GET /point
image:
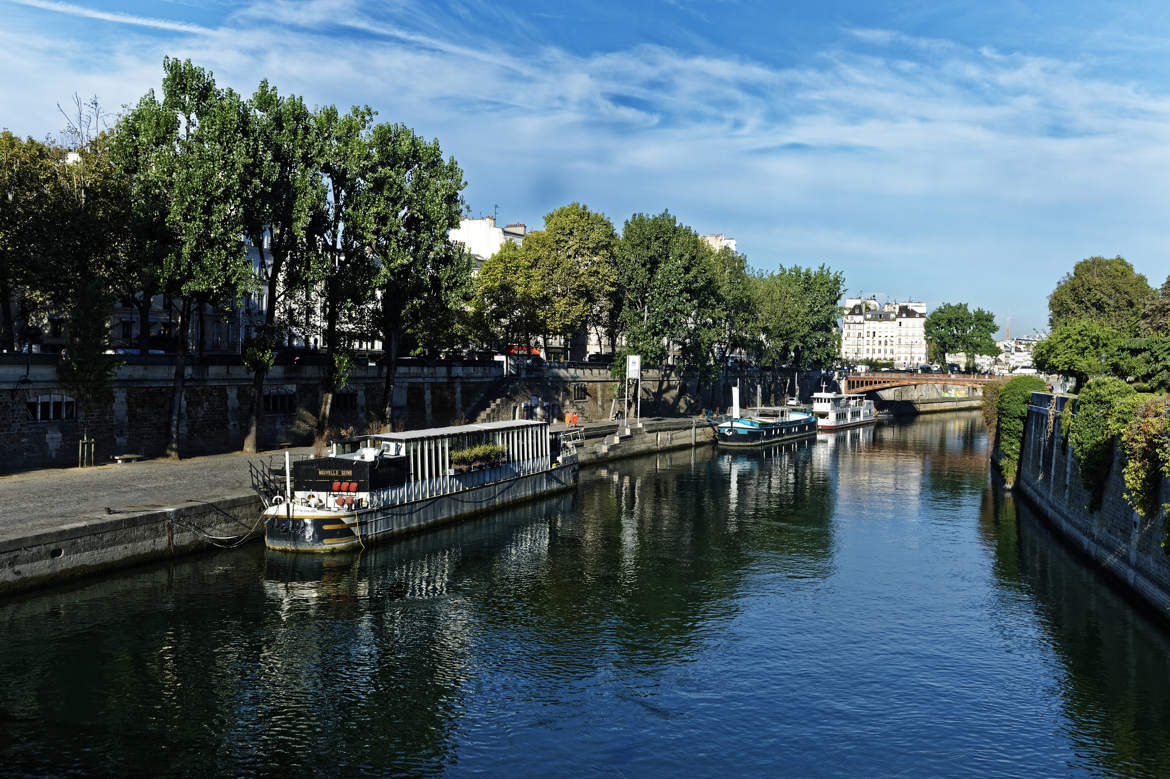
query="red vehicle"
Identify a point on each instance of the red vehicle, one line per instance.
(531, 351)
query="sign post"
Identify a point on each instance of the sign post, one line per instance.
(633, 374)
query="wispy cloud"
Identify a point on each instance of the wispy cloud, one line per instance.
(880, 151)
(108, 16)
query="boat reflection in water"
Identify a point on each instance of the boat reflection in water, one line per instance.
(418, 567)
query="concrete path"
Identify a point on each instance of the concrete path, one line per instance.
(39, 501)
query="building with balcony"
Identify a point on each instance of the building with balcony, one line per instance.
(888, 332)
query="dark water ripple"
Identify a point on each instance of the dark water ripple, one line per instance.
(869, 604)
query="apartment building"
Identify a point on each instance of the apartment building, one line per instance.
(889, 332)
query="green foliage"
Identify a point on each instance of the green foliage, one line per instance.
(483, 454)
(991, 391)
(1142, 440)
(1011, 415)
(1108, 292)
(1079, 348)
(1144, 360)
(343, 365)
(258, 353)
(798, 311)
(85, 370)
(952, 328)
(676, 294)
(505, 310)
(1100, 417)
(1156, 314)
(29, 201)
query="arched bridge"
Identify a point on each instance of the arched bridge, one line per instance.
(866, 382)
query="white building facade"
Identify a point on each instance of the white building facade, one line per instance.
(482, 238)
(890, 332)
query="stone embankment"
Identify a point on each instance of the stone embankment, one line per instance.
(1115, 537)
(58, 524)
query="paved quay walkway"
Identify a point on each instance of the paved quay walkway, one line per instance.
(44, 500)
(69, 522)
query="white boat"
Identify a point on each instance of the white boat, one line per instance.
(375, 487)
(838, 410)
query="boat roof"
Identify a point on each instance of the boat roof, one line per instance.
(453, 430)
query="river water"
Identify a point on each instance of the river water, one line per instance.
(865, 604)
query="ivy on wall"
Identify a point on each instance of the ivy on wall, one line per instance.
(1011, 406)
(1100, 416)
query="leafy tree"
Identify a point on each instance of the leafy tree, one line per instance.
(411, 202)
(734, 321)
(953, 328)
(351, 268)
(1078, 349)
(186, 158)
(681, 299)
(505, 309)
(1156, 314)
(1106, 291)
(28, 182)
(284, 198)
(573, 257)
(798, 310)
(1143, 360)
(645, 243)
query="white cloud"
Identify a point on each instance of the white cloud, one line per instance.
(883, 151)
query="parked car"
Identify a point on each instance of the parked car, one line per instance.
(600, 358)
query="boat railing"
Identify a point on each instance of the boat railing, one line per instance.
(454, 482)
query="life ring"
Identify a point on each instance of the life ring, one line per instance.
(278, 500)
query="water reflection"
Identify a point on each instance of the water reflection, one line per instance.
(859, 603)
(1114, 667)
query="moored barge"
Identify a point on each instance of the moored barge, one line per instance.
(379, 486)
(763, 425)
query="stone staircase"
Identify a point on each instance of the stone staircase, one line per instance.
(612, 442)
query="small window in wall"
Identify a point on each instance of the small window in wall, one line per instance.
(280, 402)
(49, 408)
(127, 330)
(345, 401)
(580, 392)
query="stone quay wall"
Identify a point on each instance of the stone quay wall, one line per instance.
(1115, 537)
(37, 431)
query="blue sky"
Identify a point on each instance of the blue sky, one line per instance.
(945, 151)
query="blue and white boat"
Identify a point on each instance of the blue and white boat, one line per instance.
(763, 425)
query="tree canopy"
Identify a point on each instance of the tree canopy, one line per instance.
(952, 328)
(1078, 349)
(797, 310)
(1106, 291)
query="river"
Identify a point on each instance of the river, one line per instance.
(868, 603)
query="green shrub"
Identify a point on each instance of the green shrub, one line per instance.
(1102, 409)
(1142, 441)
(1011, 414)
(484, 454)
(991, 392)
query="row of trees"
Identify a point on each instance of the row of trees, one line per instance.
(1106, 320)
(350, 219)
(656, 289)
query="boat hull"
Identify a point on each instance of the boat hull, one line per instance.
(765, 434)
(295, 528)
(828, 426)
